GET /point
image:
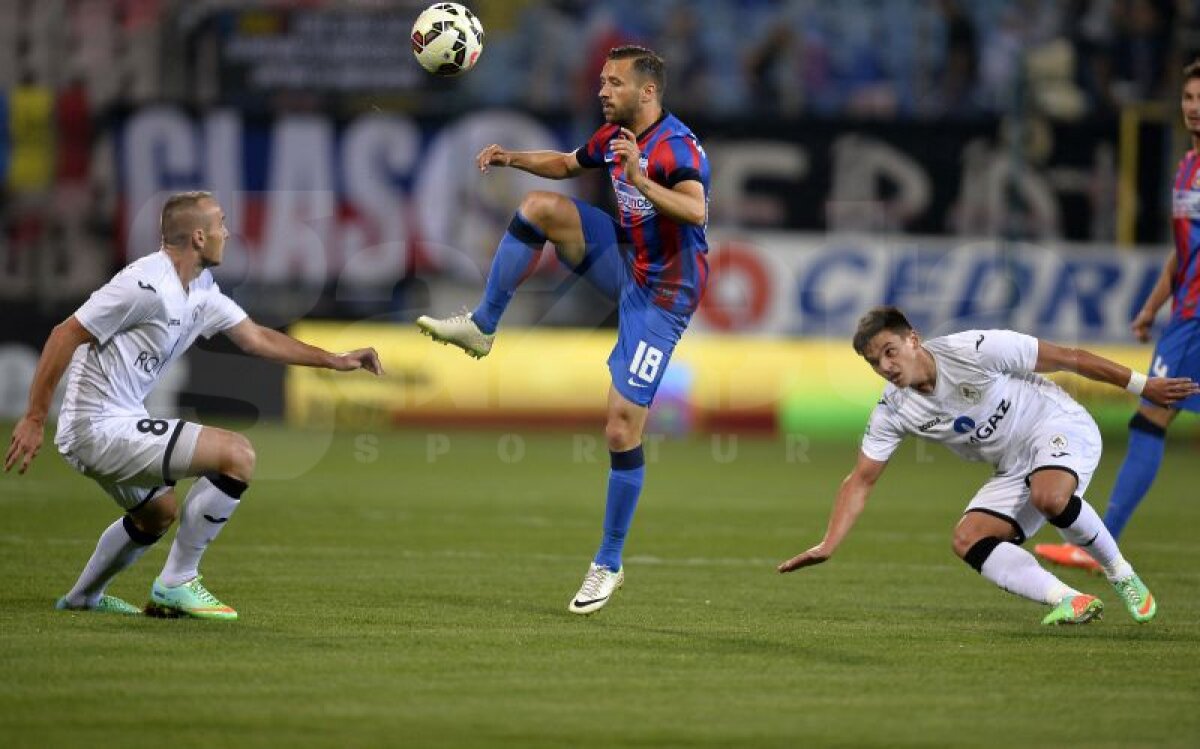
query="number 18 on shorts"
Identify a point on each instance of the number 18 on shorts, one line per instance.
(637, 377)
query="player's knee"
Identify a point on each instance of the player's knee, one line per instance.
(240, 459)
(620, 434)
(1049, 502)
(962, 542)
(541, 208)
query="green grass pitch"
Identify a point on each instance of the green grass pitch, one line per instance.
(390, 600)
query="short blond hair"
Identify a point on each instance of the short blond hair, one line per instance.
(179, 217)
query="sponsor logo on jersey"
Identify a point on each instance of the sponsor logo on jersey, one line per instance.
(632, 202)
(964, 424)
(938, 420)
(988, 428)
(174, 322)
(1185, 203)
(979, 341)
(146, 286)
(148, 362)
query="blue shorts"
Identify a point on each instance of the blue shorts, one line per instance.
(646, 333)
(1178, 355)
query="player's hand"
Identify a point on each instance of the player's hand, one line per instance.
(813, 556)
(363, 358)
(1141, 325)
(26, 440)
(493, 155)
(1166, 391)
(625, 149)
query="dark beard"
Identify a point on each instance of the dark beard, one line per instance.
(624, 118)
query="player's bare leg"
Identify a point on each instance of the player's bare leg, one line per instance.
(1052, 492)
(543, 216)
(224, 462)
(623, 432)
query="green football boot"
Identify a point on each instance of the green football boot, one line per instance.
(190, 599)
(1079, 609)
(1137, 597)
(106, 605)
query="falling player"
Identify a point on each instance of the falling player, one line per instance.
(977, 393)
(652, 261)
(1178, 350)
(115, 348)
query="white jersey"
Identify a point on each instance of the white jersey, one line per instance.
(143, 320)
(987, 404)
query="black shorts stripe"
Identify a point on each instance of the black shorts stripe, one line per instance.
(1020, 539)
(1052, 468)
(166, 463)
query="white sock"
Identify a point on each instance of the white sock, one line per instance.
(205, 512)
(1015, 570)
(115, 551)
(1088, 532)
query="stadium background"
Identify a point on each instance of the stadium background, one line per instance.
(977, 162)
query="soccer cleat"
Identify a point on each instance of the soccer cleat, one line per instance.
(106, 605)
(1137, 597)
(190, 599)
(598, 586)
(1079, 609)
(1068, 555)
(459, 330)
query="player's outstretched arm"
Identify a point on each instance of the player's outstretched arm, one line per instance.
(851, 499)
(266, 343)
(1158, 296)
(1164, 391)
(29, 432)
(548, 164)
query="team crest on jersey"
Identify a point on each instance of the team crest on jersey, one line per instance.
(1058, 442)
(643, 159)
(970, 393)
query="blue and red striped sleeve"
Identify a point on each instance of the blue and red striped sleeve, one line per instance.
(591, 154)
(675, 160)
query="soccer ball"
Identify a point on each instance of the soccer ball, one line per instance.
(447, 39)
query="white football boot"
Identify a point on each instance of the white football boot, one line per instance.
(599, 584)
(459, 330)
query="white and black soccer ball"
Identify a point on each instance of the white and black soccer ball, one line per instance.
(447, 39)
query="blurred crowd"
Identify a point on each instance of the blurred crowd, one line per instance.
(857, 58)
(873, 58)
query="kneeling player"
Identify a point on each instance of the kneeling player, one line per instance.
(117, 345)
(976, 392)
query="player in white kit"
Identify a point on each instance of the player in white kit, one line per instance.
(977, 393)
(114, 349)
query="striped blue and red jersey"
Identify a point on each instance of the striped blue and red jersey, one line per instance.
(1185, 222)
(669, 257)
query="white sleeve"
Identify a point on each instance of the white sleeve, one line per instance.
(118, 305)
(221, 313)
(884, 434)
(1006, 351)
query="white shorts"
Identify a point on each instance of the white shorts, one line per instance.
(1071, 443)
(132, 458)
